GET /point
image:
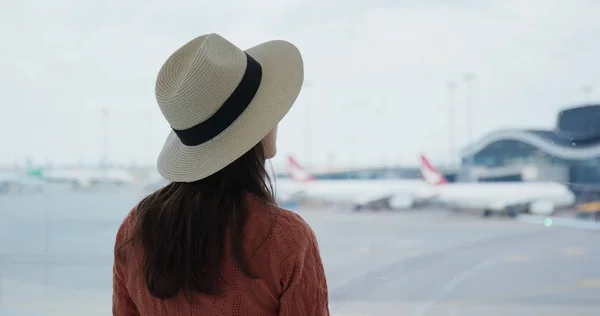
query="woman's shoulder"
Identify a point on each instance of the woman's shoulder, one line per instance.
(289, 222)
(285, 222)
(126, 225)
(289, 234)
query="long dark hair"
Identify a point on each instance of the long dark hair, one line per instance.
(182, 226)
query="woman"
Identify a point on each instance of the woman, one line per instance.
(213, 241)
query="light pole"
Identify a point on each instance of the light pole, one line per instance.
(105, 117)
(469, 78)
(451, 140)
(307, 129)
(587, 92)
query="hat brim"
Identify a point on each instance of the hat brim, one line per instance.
(282, 78)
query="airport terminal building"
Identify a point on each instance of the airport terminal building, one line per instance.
(569, 153)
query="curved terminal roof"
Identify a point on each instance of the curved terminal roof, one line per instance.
(550, 142)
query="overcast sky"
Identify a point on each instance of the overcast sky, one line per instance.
(377, 73)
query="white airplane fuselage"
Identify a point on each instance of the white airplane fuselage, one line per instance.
(499, 195)
(355, 192)
(86, 177)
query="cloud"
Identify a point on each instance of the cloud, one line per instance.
(378, 70)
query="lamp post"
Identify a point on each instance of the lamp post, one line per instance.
(307, 129)
(587, 92)
(469, 79)
(451, 139)
(105, 118)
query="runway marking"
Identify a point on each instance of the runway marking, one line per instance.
(574, 251)
(589, 283)
(518, 258)
(456, 281)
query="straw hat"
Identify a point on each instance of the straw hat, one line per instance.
(221, 101)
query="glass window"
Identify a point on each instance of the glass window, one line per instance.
(585, 171)
(506, 152)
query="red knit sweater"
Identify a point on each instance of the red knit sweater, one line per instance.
(292, 277)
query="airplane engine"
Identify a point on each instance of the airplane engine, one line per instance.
(401, 202)
(541, 208)
(81, 184)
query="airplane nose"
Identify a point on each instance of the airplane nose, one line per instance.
(571, 197)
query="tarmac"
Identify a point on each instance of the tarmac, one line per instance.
(56, 259)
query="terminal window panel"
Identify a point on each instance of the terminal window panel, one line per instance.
(510, 152)
(585, 171)
(507, 152)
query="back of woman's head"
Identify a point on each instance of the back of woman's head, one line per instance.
(182, 227)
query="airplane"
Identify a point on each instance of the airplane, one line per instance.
(286, 191)
(83, 178)
(13, 182)
(361, 194)
(153, 181)
(509, 198)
